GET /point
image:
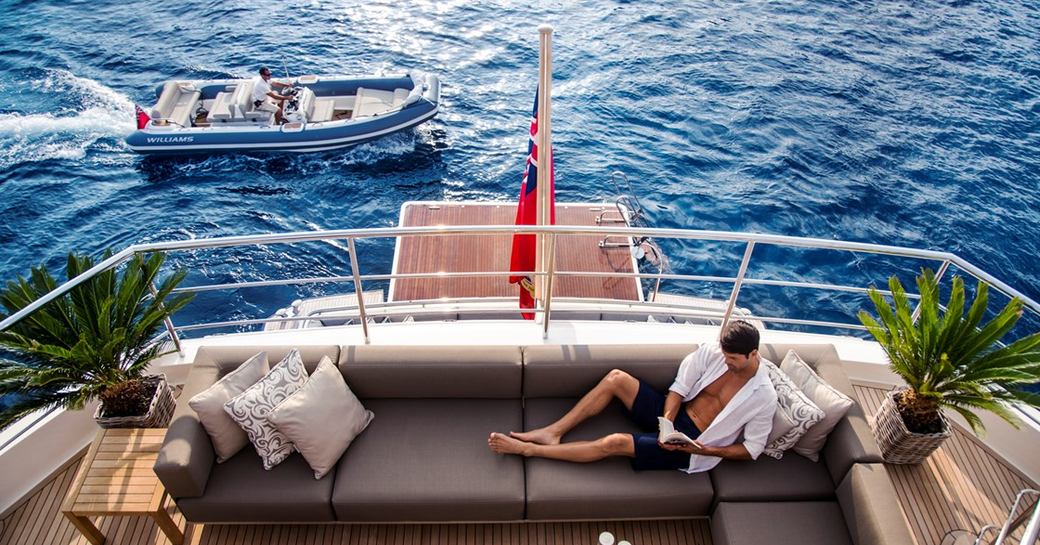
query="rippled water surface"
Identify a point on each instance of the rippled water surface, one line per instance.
(906, 123)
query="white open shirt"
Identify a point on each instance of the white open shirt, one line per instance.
(750, 412)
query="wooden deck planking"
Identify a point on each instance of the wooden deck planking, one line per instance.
(963, 485)
(472, 253)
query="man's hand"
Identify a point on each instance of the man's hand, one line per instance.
(695, 448)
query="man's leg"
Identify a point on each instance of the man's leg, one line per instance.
(617, 384)
(278, 114)
(615, 444)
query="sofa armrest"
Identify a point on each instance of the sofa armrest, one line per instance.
(186, 457)
(187, 454)
(849, 443)
(871, 508)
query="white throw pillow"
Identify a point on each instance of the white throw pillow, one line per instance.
(322, 418)
(250, 408)
(227, 436)
(833, 403)
(798, 408)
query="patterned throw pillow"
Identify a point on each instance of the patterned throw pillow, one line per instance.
(797, 409)
(833, 403)
(250, 408)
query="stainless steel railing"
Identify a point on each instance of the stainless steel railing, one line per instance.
(740, 280)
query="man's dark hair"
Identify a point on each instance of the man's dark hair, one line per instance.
(264, 70)
(740, 337)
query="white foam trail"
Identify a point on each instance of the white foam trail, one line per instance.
(102, 112)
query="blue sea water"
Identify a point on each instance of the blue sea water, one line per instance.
(911, 123)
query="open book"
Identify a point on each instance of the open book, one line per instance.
(669, 435)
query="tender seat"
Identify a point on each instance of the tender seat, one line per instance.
(554, 379)
(220, 111)
(374, 101)
(425, 457)
(322, 110)
(176, 103)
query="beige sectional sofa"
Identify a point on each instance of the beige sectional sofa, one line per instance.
(425, 457)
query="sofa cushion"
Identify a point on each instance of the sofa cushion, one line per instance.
(607, 489)
(871, 507)
(792, 478)
(322, 418)
(804, 523)
(228, 437)
(428, 460)
(251, 408)
(829, 399)
(851, 441)
(446, 372)
(240, 490)
(572, 370)
(795, 406)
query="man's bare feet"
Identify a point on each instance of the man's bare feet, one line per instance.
(541, 436)
(503, 444)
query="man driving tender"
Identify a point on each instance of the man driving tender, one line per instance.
(264, 98)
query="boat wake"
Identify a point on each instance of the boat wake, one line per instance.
(85, 111)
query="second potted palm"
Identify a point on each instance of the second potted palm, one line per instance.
(950, 360)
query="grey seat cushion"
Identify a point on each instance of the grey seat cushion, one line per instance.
(239, 490)
(608, 489)
(571, 370)
(428, 460)
(804, 523)
(871, 507)
(792, 478)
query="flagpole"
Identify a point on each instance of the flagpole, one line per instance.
(544, 151)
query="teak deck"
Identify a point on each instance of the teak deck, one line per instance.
(962, 485)
(473, 253)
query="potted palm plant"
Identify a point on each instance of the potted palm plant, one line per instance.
(94, 342)
(949, 359)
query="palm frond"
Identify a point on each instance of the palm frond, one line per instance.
(96, 336)
(950, 355)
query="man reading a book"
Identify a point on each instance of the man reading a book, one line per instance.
(722, 400)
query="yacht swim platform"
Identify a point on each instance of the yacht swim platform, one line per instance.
(474, 253)
(963, 485)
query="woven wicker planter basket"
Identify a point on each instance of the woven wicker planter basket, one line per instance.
(159, 412)
(900, 445)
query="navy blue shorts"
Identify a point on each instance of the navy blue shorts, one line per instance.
(648, 405)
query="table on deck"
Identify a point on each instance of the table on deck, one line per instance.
(116, 478)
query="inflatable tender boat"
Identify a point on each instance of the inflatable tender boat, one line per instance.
(326, 112)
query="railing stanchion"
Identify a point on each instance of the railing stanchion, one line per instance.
(549, 285)
(357, 288)
(938, 278)
(736, 286)
(169, 322)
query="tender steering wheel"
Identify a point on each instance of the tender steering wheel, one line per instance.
(294, 101)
